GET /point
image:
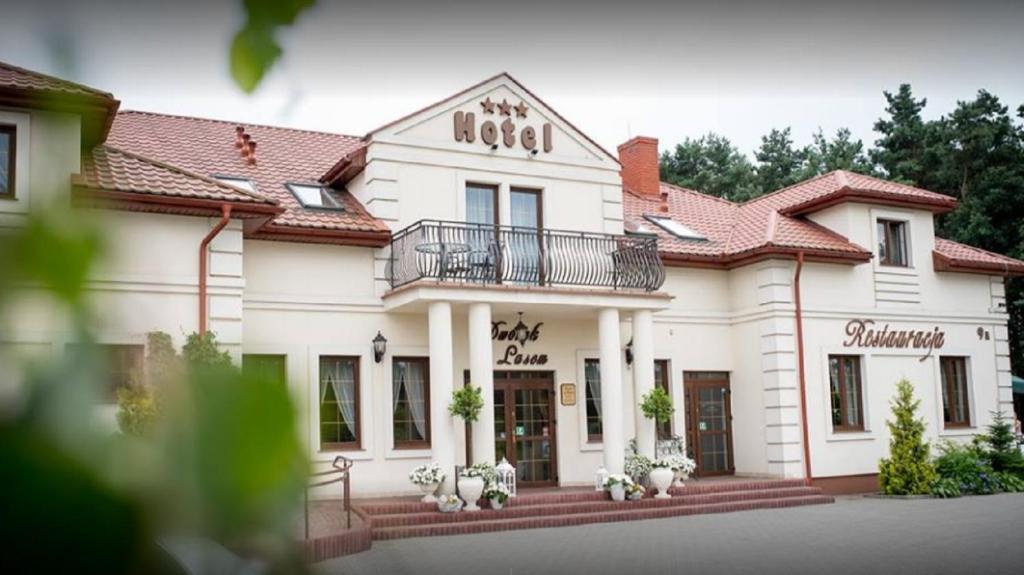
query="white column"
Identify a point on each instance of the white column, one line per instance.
(611, 390)
(442, 425)
(643, 378)
(481, 375)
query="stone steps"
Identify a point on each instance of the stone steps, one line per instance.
(534, 509)
(606, 516)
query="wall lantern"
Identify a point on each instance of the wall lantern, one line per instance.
(380, 345)
(629, 352)
(521, 332)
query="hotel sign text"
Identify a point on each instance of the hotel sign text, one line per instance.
(861, 333)
(505, 130)
(517, 338)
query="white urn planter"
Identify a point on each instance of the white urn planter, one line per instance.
(496, 503)
(471, 488)
(429, 489)
(661, 479)
(618, 492)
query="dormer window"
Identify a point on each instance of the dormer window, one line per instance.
(8, 142)
(892, 243)
(675, 228)
(240, 183)
(315, 196)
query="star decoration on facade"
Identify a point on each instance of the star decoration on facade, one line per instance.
(521, 109)
(506, 108)
(488, 105)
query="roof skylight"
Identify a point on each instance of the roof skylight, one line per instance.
(240, 183)
(675, 228)
(315, 196)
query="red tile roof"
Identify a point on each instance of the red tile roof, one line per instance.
(953, 256)
(283, 155)
(839, 186)
(19, 78)
(734, 232)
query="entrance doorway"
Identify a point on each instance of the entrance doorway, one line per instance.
(709, 422)
(524, 425)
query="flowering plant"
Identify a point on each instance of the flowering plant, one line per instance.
(618, 479)
(426, 474)
(496, 491)
(484, 471)
(449, 503)
(637, 466)
(677, 462)
(635, 491)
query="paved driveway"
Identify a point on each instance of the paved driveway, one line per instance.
(972, 535)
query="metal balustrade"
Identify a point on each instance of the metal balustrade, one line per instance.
(493, 254)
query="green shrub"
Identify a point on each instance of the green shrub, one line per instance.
(945, 488)
(1000, 446)
(201, 352)
(908, 470)
(1009, 482)
(137, 410)
(467, 403)
(967, 466)
(657, 405)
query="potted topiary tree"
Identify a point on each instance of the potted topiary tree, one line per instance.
(908, 470)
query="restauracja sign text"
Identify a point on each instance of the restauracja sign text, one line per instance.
(861, 334)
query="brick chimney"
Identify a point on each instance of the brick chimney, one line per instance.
(639, 159)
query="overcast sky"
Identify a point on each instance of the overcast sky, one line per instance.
(614, 69)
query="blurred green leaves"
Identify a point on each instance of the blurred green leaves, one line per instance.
(255, 49)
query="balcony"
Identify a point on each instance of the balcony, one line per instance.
(485, 254)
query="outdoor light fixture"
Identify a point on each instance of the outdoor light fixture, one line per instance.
(521, 331)
(629, 352)
(380, 345)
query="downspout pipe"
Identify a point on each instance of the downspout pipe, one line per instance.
(204, 250)
(800, 365)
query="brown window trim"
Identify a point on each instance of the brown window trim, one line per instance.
(591, 437)
(415, 444)
(887, 226)
(844, 428)
(347, 445)
(946, 365)
(12, 188)
(494, 192)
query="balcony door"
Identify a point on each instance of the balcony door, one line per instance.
(484, 255)
(525, 246)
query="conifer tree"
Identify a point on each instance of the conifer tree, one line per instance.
(908, 470)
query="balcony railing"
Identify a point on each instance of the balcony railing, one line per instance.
(491, 254)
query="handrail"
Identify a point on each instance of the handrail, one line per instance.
(496, 254)
(340, 470)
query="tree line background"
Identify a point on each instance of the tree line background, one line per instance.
(974, 153)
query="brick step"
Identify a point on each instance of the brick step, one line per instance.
(467, 527)
(527, 498)
(578, 507)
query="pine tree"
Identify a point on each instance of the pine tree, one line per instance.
(899, 153)
(712, 165)
(778, 162)
(842, 152)
(908, 470)
(1001, 446)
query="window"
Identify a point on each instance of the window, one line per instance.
(661, 380)
(122, 365)
(481, 204)
(892, 243)
(526, 209)
(410, 389)
(675, 228)
(240, 183)
(316, 196)
(845, 387)
(339, 402)
(592, 375)
(265, 367)
(955, 404)
(8, 153)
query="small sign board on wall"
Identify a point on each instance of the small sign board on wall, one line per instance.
(568, 393)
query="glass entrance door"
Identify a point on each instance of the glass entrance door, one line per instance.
(524, 421)
(709, 422)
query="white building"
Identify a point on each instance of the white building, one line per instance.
(779, 326)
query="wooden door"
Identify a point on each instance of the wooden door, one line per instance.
(709, 422)
(525, 426)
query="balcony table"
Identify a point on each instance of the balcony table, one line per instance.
(443, 251)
